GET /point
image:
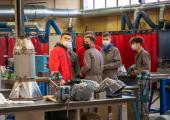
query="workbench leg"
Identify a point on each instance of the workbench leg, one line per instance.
(2, 117)
(123, 114)
(152, 88)
(78, 114)
(30, 115)
(162, 97)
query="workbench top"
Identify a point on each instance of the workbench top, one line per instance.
(44, 105)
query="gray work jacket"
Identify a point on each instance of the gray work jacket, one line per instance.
(142, 61)
(93, 65)
(112, 61)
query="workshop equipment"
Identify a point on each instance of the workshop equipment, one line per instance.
(111, 86)
(84, 91)
(25, 86)
(63, 92)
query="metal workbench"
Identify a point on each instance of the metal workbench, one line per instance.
(36, 110)
(163, 79)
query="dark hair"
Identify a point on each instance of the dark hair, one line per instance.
(65, 33)
(89, 33)
(105, 34)
(136, 39)
(91, 38)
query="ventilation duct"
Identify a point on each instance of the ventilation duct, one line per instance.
(40, 12)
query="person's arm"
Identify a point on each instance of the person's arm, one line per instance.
(117, 61)
(54, 61)
(87, 64)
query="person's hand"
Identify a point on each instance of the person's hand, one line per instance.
(133, 74)
(80, 74)
(62, 82)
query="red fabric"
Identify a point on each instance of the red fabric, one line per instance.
(80, 54)
(79, 42)
(99, 40)
(37, 45)
(59, 60)
(3, 49)
(11, 43)
(44, 49)
(40, 48)
(122, 43)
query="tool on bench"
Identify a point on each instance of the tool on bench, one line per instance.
(63, 92)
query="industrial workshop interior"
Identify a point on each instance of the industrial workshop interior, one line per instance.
(84, 60)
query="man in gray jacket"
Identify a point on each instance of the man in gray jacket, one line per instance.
(93, 61)
(112, 58)
(142, 59)
(142, 63)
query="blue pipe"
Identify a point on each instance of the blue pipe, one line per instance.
(143, 15)
(5, 30)
(126, 20)
(42, 38)
(3, 25)
(28, 30)
(50, 22)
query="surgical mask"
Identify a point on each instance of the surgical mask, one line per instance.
(68, 44)
(106, 42)
(86, 46)
(134, 46)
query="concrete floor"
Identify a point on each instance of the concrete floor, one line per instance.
(153, 116)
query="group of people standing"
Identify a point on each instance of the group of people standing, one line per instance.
(92, 62)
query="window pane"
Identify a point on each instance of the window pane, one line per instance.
(123, 2)
(99, 4)
(149, 1)
(88, 4)
(134, 2)
(111, 3)
(164, 0)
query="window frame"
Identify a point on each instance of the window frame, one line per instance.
(94, 5)
(117, 4)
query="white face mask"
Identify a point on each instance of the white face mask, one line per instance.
(68, 44)
(134, 46)
(106, 42)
